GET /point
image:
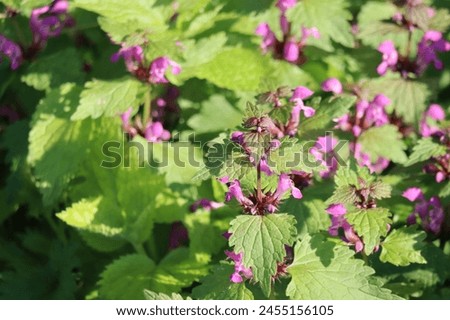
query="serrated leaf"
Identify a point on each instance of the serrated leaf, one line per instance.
(215, 115)
(331, 17)
(54, 70)
(324, 270)
(236, 69)
(409, 98)
(126, 278)
(371, 225)
(403, 247)
(380, 190)
(445, 191)
(88, 215)
(261, 239)
(109, 98)
(310, 215)
(344, 195)
(327, 111)
(203, 51)
(424, 150)
(384, 142)
(217, 286)
(151, 295)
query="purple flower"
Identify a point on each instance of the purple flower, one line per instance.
(338, 221)
(285, 184)
(363, 159)
(205, 204)
(308, 33)
(301, 93)
(158, 69)
(323, 151)
(239, 270)
(133, 57)
(291, 51)
(431, 43)
(155, 132)
(433, 114)
(283, 5)
(390, 57)
(269, 39)
(332, 85)
(49, 21)
(12, 51)
(430, 211)
(235, 191)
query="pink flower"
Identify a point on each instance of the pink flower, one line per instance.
(291, 51)
(338, 221)
(285, 184)
(300, 94)
(155, 132)
(430, 211)
(323, 151)
(427, 49)
(332, 85)
(269, 38)
(363, 159)
(283, 5)
(433, 114)
(205, 204)
(48, 21)
(158, 69)
(240, 272)
(133, 57)
(390, 57)
(12, 51)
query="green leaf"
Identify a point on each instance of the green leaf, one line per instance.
(202, 51)
(331, 17)
(235, 69)
(126, 278)
(141, 15)
(109, 98)
(58, 146)
(344, 195)
(371, 225)
(217, 286)
(409, 98)
(424, 150)
(88, 215)
(384, 142)
(328, 110)
(261, 240)
(310, 215)
(325, 270)
(215, 115)
(150, 295)
(403, 246)
(54, 70)
(176, 271)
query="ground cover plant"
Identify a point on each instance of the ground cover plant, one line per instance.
(193, 149)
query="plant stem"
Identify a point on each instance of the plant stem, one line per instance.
(365, 258)
(258, 181)
(408, 47)
(147, 106)
(139, 248)
(151, 246)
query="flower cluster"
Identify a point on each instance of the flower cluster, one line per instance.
(280, 129)
(368, 114)
(364, 198)
(407, 16)
(135, 64)
(427, 49)
(323, 150)
(430, 211)
(49, 21)
(45, 22)
(152, 131)
(439, 166)
(12, 51)
(290, 48)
